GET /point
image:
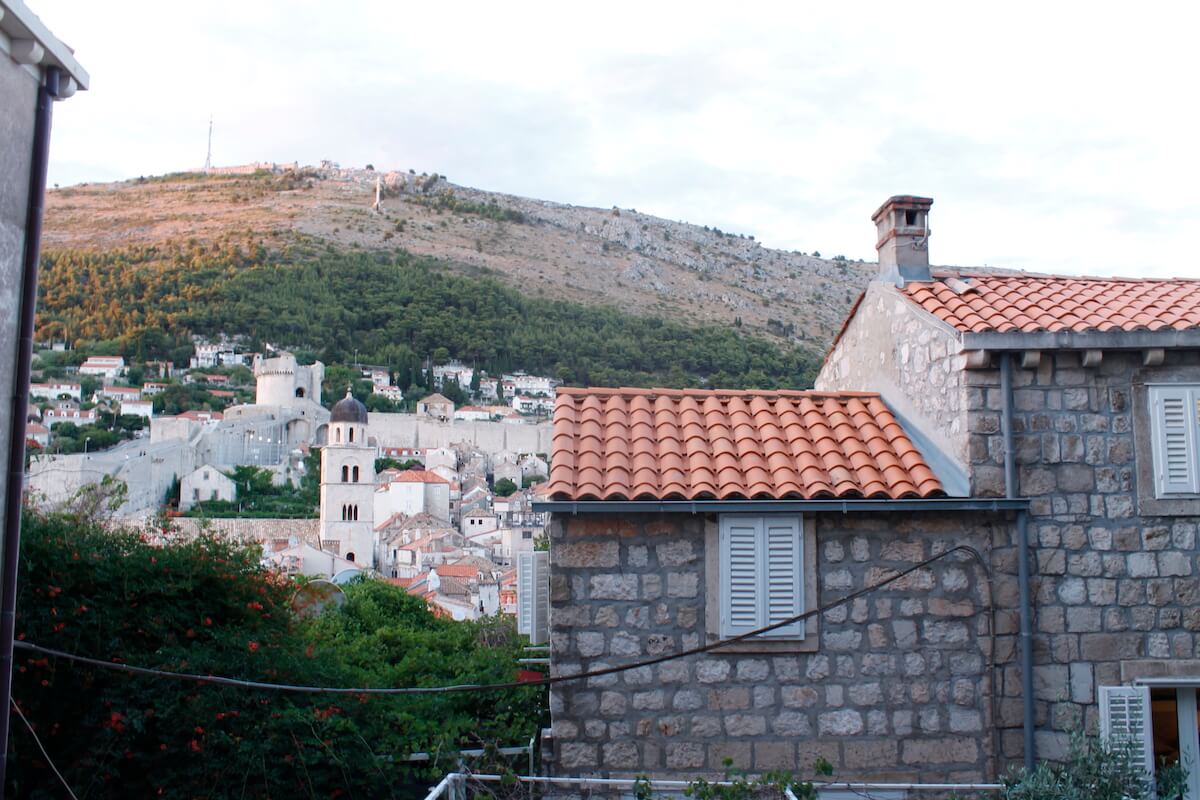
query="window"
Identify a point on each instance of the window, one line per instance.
(214, 495)
(761, 575)
(1153, 725)
(337, 435)
(345, 474)
(351, 434)
(355, 474)
(1175, 437)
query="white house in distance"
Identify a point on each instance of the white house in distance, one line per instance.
(412, 492)
(106, 367)
(436, 406)
(138, 408)
(120, 393)
(66, 413)
(204, 484)
(36, 432)
(55, 391)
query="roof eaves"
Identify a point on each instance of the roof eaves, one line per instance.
(859, 505)
(1083, 340)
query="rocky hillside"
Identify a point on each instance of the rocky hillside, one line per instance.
(617, 257)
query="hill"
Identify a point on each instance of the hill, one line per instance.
(612, 256)
(169, 254)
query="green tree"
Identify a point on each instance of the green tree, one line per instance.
(505, 487)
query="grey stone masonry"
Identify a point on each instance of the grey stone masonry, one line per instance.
(1112, 582)
(898, 687)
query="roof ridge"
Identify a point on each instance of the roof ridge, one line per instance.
(634, 391)
(942, 274)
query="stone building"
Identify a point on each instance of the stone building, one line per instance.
(205, 484)
(1004, 410)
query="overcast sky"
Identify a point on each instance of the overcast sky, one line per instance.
(1053, 136)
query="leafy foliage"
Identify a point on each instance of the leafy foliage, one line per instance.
(258, 496)
(393, 310)
(505, 487)
(205, 606)
(1094, 770)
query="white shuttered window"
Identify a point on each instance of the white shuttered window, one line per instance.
(1125, 723)
(762, 574)
(1175, 429)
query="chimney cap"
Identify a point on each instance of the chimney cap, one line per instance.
(902, 201)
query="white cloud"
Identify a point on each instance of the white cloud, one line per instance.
(1057, 137)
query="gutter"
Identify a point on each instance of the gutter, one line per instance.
(994, 505)
(39, 162)
(1026, 602)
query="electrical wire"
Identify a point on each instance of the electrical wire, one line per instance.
(548, 681)
(45, 755)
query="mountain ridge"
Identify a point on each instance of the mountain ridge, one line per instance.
(637, 262)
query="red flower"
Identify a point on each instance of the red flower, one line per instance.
(207, 621)
(252, 647)
(196, 748)
(199, 730)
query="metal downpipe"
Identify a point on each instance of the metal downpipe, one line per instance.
(20, 400)
(1023, 580)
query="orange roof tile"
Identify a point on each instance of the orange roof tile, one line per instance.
(457, 571)
(418, 476)
(662, 444)
(1027, 303)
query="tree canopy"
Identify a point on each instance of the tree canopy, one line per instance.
(390, 309)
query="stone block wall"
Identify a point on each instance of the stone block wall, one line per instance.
(1112, 583)
(895, 348)
(898, 686)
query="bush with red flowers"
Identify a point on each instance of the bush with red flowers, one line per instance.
(205, 606)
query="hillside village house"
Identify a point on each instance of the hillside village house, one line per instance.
(1050, 425)
(205, 484)
(56, 391)
(105, 367)
(436, 406)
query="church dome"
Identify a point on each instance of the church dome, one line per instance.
(348, 409)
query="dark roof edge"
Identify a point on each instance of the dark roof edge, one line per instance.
(1082, 340)
(983, 504)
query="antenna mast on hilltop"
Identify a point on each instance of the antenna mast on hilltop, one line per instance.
(208, 158)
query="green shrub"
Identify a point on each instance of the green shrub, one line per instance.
(206, 606)
(1094, 770)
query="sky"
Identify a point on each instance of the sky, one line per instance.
(1055, 137)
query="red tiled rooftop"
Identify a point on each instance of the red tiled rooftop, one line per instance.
(1029, 304)
(419, 476)
(663, 444)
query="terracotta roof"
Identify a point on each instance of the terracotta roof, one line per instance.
(1027, 304)
(419, 476)
(458, 571)
(664, 444)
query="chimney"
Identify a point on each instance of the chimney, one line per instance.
(902, 227)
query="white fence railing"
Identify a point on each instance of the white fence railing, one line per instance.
(455, 786)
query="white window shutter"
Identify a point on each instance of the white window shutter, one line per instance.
(525, 586)
(1176, 463)
(785, 576)
(1125, 722)
(539, 623)
(741, 565)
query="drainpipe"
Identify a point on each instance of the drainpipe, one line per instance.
(1026, 603)
(20, 399)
